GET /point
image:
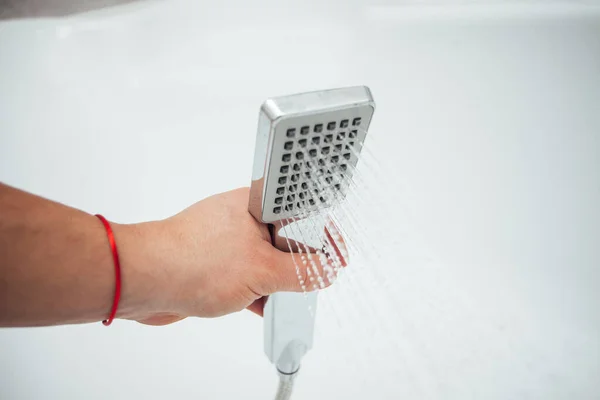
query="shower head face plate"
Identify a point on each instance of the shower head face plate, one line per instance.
(307, 146)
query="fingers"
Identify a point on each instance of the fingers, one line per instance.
(257, 306)
(294, 246)
(310, 270)
(336, 246)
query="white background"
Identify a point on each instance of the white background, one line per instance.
(489, 116)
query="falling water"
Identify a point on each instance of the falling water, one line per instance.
(334, 222)
(391, 295)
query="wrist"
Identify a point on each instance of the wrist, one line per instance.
(141, 279)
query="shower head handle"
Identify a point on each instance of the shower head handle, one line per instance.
(288, 316)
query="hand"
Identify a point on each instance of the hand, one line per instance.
(209, 260)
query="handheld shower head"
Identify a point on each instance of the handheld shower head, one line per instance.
(323, 131)
(317, 124)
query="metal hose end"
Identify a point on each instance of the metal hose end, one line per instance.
(286, 385)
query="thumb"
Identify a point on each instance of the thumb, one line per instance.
(308, 271)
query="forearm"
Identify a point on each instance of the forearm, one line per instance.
(56, 265)
(211, 259)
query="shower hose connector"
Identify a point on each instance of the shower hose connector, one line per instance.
(286, 385)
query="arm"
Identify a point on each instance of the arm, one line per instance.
(211, 259)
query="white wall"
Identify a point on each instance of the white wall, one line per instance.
(490, 118)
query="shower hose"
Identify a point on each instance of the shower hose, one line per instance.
(286, 384)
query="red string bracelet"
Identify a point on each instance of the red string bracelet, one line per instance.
(115, 255)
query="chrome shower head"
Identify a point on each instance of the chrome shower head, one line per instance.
(307, 146)
(304, 134)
